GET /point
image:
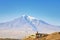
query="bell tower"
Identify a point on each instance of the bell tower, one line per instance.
(37, 35)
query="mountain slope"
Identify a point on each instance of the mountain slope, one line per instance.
(25, 25)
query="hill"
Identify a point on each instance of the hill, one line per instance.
(52, 36)
(8, 39)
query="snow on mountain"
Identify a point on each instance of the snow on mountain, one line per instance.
(25, 25)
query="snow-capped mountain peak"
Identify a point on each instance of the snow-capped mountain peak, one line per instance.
(30, 18)
(25, 25)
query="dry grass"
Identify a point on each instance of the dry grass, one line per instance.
(8, 39)
(52, 36)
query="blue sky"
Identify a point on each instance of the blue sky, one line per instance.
(46, 10)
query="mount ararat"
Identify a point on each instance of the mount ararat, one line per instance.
(25, 25)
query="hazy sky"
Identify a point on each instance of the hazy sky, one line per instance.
(46, 10)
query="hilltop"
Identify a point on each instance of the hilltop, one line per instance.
(52, 36)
